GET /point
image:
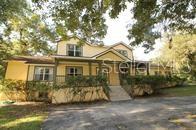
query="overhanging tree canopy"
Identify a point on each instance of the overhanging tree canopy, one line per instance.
(86, 18)
(152, 18)
(182, 55)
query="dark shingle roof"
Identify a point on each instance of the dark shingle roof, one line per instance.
(34, 59)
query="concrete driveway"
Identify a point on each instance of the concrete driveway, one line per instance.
(140, 114)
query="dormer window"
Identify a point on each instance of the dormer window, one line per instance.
(74, 50)
(123, 52)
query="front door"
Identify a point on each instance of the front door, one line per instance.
(105, 71)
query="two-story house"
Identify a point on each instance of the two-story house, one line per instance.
(72, 59)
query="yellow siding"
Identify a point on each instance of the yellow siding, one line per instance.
(94, 69)
(67, 95)
(88, 51)
(121, 47)
(110, 56)
(113, 75)
(16, 70)
(61, 68)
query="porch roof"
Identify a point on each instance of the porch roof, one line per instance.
(93, 59)
(33, 59)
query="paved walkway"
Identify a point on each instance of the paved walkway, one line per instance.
(118, 94)
(139, 114)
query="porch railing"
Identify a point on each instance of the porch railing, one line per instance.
(62, 81)
(73, 81)
(80, 81)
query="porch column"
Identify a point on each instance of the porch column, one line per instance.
(100, 68)
(27, 79)
(135, 66)
(90, 68)
(147, 67)
(55, 70)
(129, 69)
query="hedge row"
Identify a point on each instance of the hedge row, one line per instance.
(154, 81)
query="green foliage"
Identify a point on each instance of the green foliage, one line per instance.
(12, 85)
(140, 85)
(151, 18)
(83, 81)
(87, 18)
(155, 82)
(39, 86)
(187, 90)
(31, 36)
(27, 27)
(182, 55)
(157, 16)
(11, 8)
(77, 83)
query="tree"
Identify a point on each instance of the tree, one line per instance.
(10, 9)
(23, 32)
(85, 18)
(152, 18)
(155, 17)
(182, 54)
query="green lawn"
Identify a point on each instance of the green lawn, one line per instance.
(22, 117)
(189, 90)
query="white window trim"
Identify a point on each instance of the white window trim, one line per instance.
(121, 50)
(74, 50)
(74, 73)
(44, 72)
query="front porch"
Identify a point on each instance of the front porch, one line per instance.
(113, 70)
(87, 69)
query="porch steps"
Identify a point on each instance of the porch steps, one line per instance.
(118, 94)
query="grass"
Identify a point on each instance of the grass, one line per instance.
(22, 117)
(189, 90)
(180, 91)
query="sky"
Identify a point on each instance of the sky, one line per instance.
(117, 31)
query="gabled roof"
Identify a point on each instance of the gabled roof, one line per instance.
(79, 38)
(110, 50)
(106, 46)
(72, 57)
(122, 43)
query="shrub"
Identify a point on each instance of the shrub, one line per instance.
(150, 84)
(13, 88)
(12, 85)
(77, 82)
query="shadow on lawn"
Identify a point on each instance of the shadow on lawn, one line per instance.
(23, 116)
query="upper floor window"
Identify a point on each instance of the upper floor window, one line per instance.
(43, 74)
(74, 50)
(123, 52)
